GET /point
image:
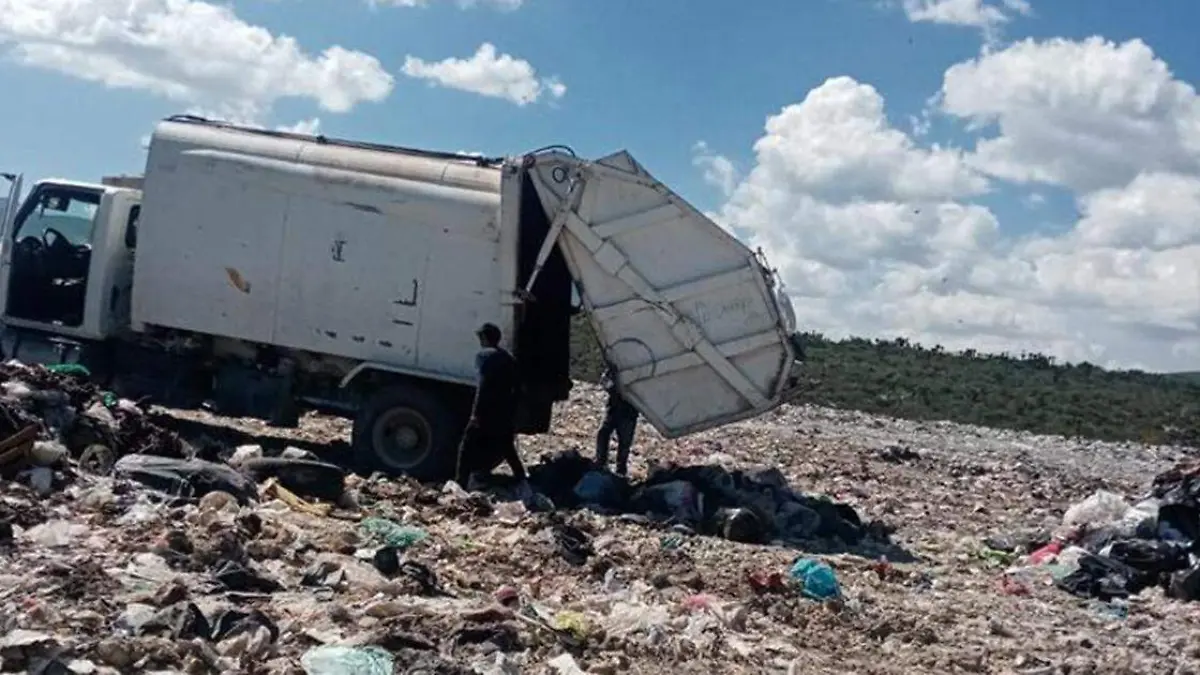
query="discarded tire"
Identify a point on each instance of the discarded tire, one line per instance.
(306, 478)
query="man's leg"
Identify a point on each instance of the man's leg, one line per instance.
(468, 453)
(603, 438)
(625, 432)
(507, 442)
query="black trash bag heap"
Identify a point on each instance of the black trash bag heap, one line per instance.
(747, 506)
(1159, 547)
(63, 406)
(55, 419)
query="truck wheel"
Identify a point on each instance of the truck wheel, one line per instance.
(404, 430)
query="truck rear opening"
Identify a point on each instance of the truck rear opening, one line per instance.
(698, 329)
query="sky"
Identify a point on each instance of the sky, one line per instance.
(998, 175)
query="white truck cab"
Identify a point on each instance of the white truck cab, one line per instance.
(67, 258)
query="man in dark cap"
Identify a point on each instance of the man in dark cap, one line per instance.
(491, 432)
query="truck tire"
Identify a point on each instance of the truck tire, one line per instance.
(404, 430)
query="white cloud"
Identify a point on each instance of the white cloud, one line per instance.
(502, 5)
(987, 16)
(877, 236)
(718, 170)
(837, 144)
(191, 52)
(488, 73)
(1085, 115)
(1156, 211)
(310, 127)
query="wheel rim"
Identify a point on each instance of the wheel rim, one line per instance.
(402, 438)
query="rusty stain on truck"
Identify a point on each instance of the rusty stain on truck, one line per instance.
(236, 280)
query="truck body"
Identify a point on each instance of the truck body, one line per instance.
(268, 273)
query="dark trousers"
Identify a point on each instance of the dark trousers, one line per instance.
(483, 448)
(624, 428)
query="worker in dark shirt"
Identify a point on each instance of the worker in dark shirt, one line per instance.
(490, 436)
(619, 416)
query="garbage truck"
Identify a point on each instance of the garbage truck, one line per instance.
(268, 273)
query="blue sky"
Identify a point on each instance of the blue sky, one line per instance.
(901, 224)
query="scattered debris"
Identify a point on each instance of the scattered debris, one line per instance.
(1127, 549)
(173, 561)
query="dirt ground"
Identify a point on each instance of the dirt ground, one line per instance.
(646, 601)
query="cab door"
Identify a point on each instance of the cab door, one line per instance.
(11, 205)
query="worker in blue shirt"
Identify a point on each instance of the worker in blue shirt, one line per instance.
(490, 436)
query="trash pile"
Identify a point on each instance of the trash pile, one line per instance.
(1109, 550)
(49, 415)
(170, 565)
(124, 548)
(165, 554)
(754, 507)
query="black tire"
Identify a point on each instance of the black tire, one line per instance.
(422, 442)
(305, 478)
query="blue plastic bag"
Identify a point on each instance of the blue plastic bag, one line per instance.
(816, 579)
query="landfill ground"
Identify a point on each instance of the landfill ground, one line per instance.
(90, 562)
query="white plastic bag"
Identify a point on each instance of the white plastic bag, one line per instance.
(55, 533)
(1102, 510)
(1143, 517)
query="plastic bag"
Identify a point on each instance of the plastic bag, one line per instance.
(1102, 510)
(393, 534)
(564, 664)
(1046, 553)
(574, 623)
(337, 660)
(598, 487)
(817, 578)
(54, 533)
(245, 452)
(627, 618)
(679, 498)
(1141, 520)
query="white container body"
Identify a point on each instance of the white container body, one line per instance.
(370, 255)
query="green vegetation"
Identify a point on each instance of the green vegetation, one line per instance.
(1028, 392)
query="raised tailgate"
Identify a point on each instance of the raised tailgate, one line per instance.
(684, 311)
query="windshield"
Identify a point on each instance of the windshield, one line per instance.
(69, 212)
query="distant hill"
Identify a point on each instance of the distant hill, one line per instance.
(1028, 392)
